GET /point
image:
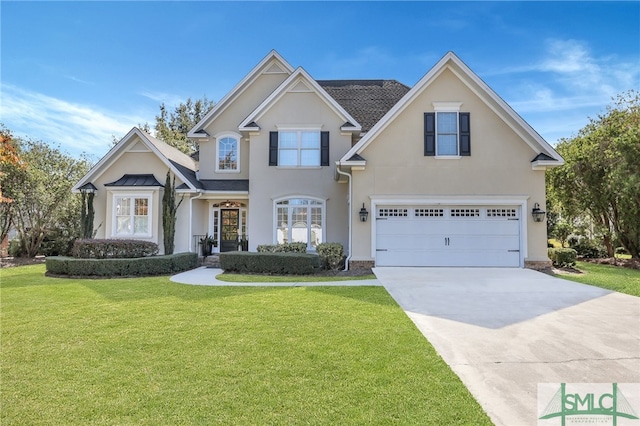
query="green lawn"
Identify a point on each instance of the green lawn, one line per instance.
(152, 352)
(623, 280)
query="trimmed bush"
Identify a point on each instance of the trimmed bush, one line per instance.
(282, 248)
(331, 255)
(562, 257)
(113, 249)
(141, 266)
(270, 263)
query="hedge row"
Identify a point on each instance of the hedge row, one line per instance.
(113, 249)
(270, 263)
(142, 266)
(562, 257)
(282, 248)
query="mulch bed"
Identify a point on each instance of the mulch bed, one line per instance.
(8, 262)
(625, 263)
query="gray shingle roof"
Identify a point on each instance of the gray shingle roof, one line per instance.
(225, 184)
(366, 100)
(135, 180)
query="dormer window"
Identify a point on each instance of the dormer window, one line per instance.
(228, 153)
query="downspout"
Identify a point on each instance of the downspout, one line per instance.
(200, 194)
(346, 262)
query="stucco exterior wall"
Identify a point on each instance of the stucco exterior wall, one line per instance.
(137, 163)
(269, 183)
(229, 120)
(499, 165)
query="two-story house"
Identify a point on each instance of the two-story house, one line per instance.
(441, 174)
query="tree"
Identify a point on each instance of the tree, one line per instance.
(172, 127)
(562, 231)
(87, 213)
(41, 191)
(9, 160)
(169, 210)
(601, 177)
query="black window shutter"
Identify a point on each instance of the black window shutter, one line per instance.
(465, 133)
(430, 133)
(273, 148)
(324, 148)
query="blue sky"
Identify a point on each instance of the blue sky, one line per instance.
(75, 73)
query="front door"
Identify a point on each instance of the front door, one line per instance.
(229, 219)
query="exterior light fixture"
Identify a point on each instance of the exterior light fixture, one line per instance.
(364, 214)
(538, 215)
(88, 188)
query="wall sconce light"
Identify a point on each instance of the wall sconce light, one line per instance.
(538, 215)
(364, 214)
(88, 188)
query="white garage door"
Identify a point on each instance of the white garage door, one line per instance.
(448, 236)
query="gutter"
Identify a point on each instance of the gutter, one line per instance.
(346, 262)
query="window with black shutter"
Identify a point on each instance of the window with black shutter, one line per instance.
(324, 148)
(298, 148)
(447, 134)
(273, 148)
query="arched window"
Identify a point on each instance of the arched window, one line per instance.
(299, 220)
(228, 154)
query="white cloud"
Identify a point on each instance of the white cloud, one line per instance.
(168, 99)
(77, 128)
(566, 85)
(571, 76)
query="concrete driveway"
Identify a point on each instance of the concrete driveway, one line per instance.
(503, 331)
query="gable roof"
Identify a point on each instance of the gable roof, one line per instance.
(178, 162)
(299, 81)
(366, 100)
(273, 63)
(476, 85)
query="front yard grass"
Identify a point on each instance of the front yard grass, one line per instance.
(149, 351)
(623, 280)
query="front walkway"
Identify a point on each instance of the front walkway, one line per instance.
(207, 276)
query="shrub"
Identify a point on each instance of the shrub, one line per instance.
(588, 248)
(57, 242)
(141, 266)
(621, 250)
(562, 257)
(331, 255)
(113, 249)
(283, 248)
(16, 248)
(573, 241)
(270, 263)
